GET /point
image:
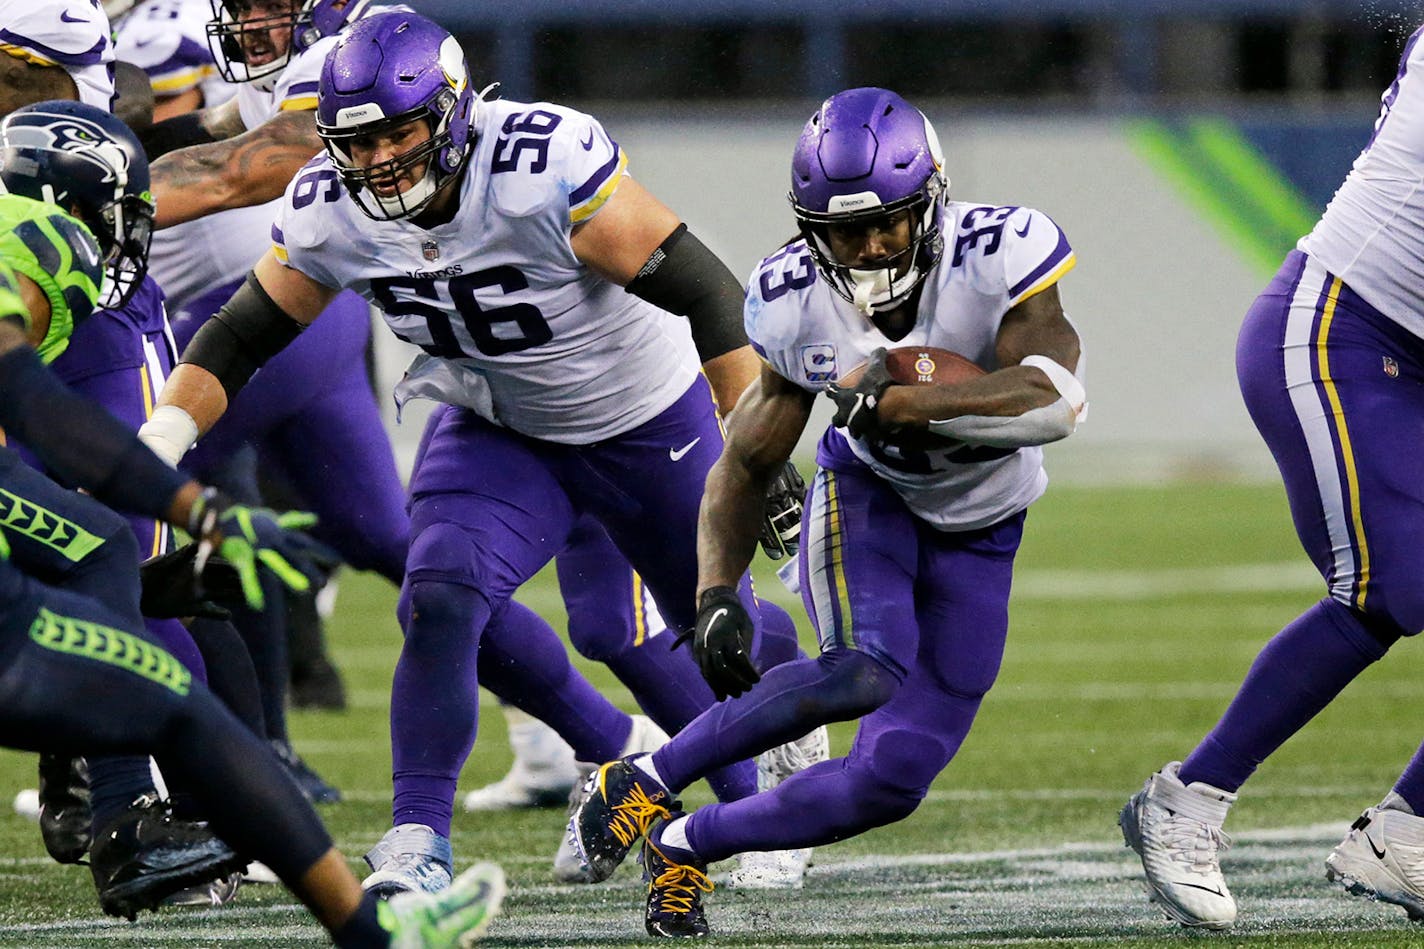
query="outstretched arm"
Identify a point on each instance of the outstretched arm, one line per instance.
(239, 172)
(262, 317)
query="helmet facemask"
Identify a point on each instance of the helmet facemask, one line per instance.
(449, 110)
(124, 240)
(880, 287)
(228, 28)
(435, 155)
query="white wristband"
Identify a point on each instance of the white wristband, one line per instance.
(169, 433)
(1064, 381)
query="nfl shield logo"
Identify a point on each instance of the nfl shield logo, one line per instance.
(430, 250)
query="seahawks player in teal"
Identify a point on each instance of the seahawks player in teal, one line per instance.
(78, 675)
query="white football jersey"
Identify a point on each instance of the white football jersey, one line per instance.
(514, 326)
(1372, 234)
(168, 40)
(994, 259)
(71, 34)
(192, 258)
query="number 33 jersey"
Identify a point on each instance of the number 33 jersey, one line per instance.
(994, 259)
(513, 325)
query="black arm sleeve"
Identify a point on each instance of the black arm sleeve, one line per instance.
(175, 133)
(239, 339)
(686, 278)
(81, 442)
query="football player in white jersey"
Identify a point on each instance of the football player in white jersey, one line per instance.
(500, 238)
(1330, 360)
(242, 153)
(913, 518)
(167, 39)
(55, 49)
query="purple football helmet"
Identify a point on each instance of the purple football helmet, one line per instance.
(306, 20)
(387, 70)
(865, 154)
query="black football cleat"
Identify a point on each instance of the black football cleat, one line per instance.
(146, 855)
(316, 789)
(65, 817)
(676, 879)
(611, 810)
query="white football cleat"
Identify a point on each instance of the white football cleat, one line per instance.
(409, 858)
(1176, 830)
(645, 737)
(781, 869)
(543, 773)
(1382, 858)
(770, 870)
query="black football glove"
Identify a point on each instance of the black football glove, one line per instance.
(856, 407)
(722, 642)
(781, 524)
(247, 537)
(172, 587)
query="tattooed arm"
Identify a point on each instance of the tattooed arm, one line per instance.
(239, 172)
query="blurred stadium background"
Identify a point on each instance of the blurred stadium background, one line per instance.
(1183, 145)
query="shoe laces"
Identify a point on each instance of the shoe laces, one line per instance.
(677, 887)
(1193, 843)
(633, 815)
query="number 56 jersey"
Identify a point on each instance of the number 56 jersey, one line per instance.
(994, 259)
(513, 325)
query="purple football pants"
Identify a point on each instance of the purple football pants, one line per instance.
(489, 508)
(912, 623)
(1337, 391)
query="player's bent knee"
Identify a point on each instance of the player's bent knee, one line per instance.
(599, 638)
(856, 682)
(904, 762)
(884, 799)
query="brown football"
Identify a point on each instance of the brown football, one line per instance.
(920, 366)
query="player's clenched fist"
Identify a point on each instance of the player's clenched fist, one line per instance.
(722, 642)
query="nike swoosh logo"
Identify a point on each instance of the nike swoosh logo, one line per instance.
(1198, 886)
(676, 454)
(721, 612)
(588, 142)
(1378, 852)
(1024, 233)
(66, 17)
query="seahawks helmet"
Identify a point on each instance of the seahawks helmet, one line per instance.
(386, 71)
(90, 164)
(304, 21)
(865, 154)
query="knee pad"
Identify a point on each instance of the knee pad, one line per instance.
(883, 795)
(600, 635)
(441, 554)
(903, 762)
